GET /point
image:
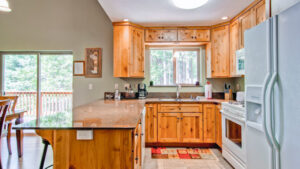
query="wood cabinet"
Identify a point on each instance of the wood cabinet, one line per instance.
(234, 46)
(247, 21)
(209, 123)
(180, 127)
(161, 35)
(220, 66)
(191, 128)
(137, 147)
(128, 51)
(169, 127)
(151, 123)
(218, 126)
(193, 35)
(260, 12)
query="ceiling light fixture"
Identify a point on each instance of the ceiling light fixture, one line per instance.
(189, 4)
(224, 17)
(4, 6)
(125, 20)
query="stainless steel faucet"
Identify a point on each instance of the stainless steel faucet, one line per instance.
(178, 91)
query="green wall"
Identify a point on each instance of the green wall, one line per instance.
(62, 25)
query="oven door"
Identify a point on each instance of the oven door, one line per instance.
(233, 135)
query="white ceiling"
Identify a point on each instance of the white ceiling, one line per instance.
(164, 13)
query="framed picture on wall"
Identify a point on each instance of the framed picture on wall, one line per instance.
(93, 62)
(78, 68)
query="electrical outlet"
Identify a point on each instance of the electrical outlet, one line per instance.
(90, 86)
(84, 135)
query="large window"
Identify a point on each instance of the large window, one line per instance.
(172, 66)
(42, 80)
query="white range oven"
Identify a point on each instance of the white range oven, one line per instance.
(233, 134)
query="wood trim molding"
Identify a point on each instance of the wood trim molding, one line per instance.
(246, 10)
(127, 24)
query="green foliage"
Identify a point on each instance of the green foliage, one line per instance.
(21, 72)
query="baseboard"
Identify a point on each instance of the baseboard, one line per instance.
(204, 145)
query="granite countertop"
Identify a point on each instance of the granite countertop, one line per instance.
(102, 114)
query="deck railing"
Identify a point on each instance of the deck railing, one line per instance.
(51, 102)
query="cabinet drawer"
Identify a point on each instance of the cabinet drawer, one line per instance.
(180, 108)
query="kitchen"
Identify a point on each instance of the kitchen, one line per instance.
(171, 75)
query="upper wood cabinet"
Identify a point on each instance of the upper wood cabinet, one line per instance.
(194, 35)
(128, 51)
(260, 12)
(151, 123)
(220, 66)
(209, 123)
(247, 21)
(161, 35)
(234, 46)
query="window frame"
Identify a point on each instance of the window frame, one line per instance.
(179, 49)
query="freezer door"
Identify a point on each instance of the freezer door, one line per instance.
(287, 90)
(258, 151)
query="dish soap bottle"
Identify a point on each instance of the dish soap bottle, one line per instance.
(208, 90)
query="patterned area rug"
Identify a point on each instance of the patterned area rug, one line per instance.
(182, 153)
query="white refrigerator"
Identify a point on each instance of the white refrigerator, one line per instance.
(272, 77)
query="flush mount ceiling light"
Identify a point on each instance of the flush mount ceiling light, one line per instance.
(189, 4)
(4, 6)
(224, 17)
(125, 20)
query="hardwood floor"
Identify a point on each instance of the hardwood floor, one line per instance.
(33, 148)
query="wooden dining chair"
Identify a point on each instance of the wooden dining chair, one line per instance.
(4, 106)
(11, 109)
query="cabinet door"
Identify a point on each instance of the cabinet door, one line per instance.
(137, 147)
(161, 35)
(220, 52)
(151, 123)
(218, 126)
(209, 123)
(168, 127)
(260, 12)
(191, 126)
(234, 46)
(122, 52)
(246, 22)
(193, 35)
(137, 56)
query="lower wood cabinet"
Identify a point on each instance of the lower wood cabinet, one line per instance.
(168, 127)
(180, 127)
(191, 127)
(209, 123)
(218, 126)
(165, 123)
(151, 123)
(138, 147)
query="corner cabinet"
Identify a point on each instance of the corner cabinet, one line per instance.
(220, 66)
(129, 50)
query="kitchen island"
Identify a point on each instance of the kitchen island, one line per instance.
(102, 134)
(109, 134)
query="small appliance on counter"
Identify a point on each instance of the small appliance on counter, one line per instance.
(142, 91)
(129, 94)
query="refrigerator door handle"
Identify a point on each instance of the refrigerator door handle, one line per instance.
(266, 83)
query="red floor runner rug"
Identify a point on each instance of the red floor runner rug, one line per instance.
(182, 153)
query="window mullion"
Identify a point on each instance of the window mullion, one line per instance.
(174, 68)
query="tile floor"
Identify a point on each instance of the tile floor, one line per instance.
(33, 148)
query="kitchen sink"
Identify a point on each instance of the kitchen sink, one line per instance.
(175, 100)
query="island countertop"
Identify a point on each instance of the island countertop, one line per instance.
(102, 114)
